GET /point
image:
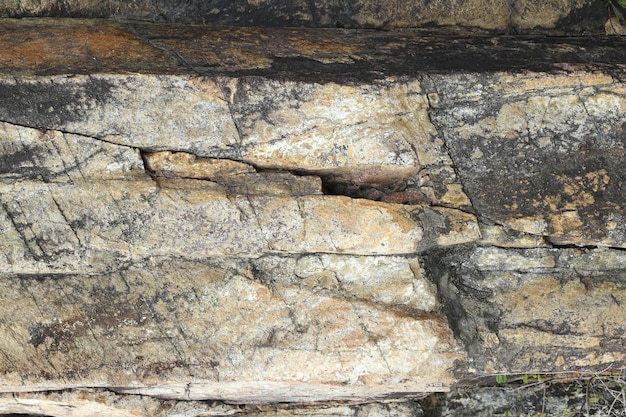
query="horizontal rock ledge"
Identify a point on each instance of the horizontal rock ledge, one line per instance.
(53, 227)
(566, 16)
(379, 115)
(93, 402)
(89, 46)
(229, 213)
(273, 329)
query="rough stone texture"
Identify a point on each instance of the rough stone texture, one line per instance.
(122, 237)
(613, 26)
(574, 16)
(288, 132)
(529, 310)
(53, 226)
(576, 395)
(240, 330)
(63, 46)
(96, 402)
(297, 215)
(556, 146)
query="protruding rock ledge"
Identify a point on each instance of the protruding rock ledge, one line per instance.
(90, 46)
(274, 329)
(326, 212)
(94, 402)
(66, 227)
(563, 16)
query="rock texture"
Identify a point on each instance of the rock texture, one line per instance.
(573, 16)
(196, 214)
(556, 146)
(527, 310)
(97, 402)
(573, 394)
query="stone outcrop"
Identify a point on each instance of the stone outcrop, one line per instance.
(197, 215)
(98, 402)
(564, 16)
(530, 310)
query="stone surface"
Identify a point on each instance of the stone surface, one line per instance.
(233, 176)
(97, 402)
(292, 215)
(52, 227)
(534, 310)
(556, 146)
(518, 15)
(261, 330)
(290, 132)
(582, 394)
(62, 45)
(613, 26)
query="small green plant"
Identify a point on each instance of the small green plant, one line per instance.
(527, 377)
(604, 392)
(616, 8)
(622, 3)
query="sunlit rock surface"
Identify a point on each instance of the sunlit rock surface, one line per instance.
(527, 310)
(324, 216)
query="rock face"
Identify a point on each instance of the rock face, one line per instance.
(302, 216)
(534, 309)
(574, 16)
(557, 150)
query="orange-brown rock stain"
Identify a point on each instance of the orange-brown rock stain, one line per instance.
(49, 46)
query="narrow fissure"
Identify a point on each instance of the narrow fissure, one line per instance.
(397, 190)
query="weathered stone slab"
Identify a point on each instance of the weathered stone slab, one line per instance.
(271, 110)
(572, 395)
(234, 177)
(500, 236)
(544, 156)
(90, 402)
(501, 15)
(329, 129)
(278, 328)
(66, 227)
(284, 53)
(300, 215)
(44, 46)
(57, 157)
(350, 56)
(124, 109)
(534, 310)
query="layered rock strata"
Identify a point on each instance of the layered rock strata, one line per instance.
(564, 16)
(256, 216)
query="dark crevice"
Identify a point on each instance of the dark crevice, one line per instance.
(397, 191)
(146, 166)
(553, 244)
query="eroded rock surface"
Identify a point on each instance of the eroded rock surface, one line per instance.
(556, 146)
(276, 327)
(518, 15)
(365, 226)
(526, 310)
